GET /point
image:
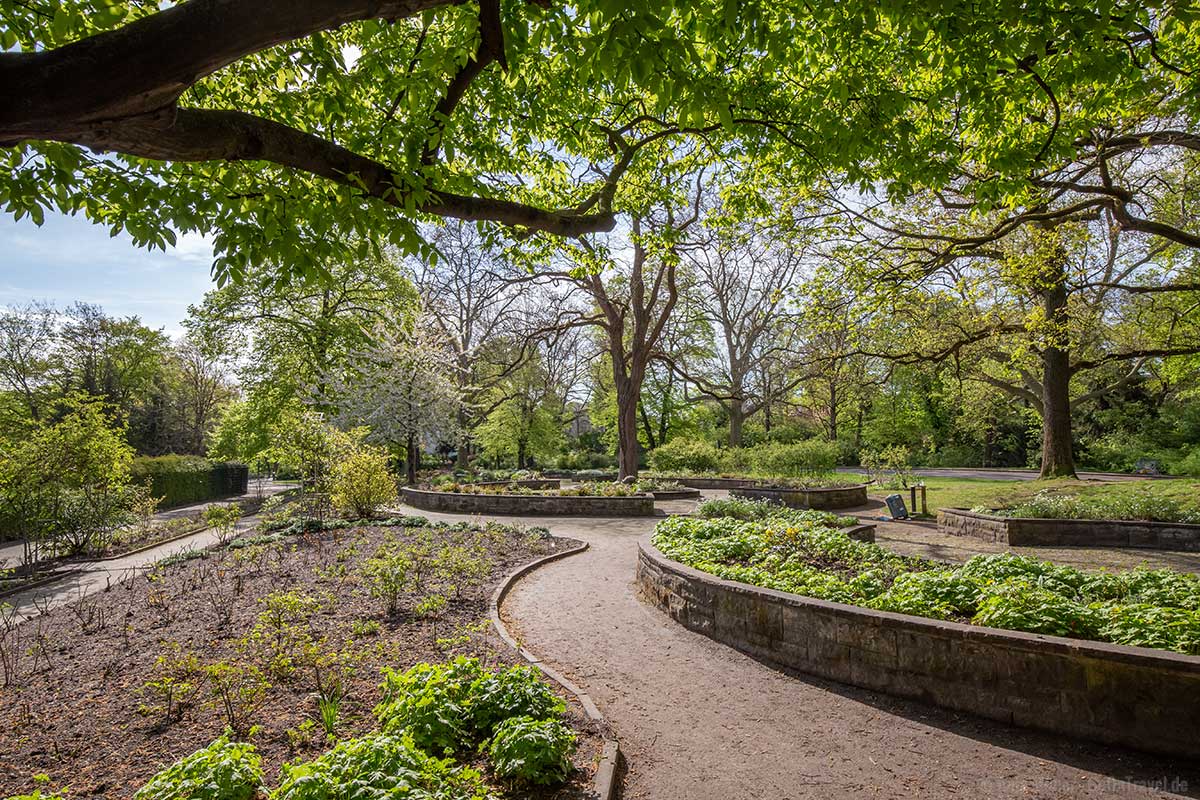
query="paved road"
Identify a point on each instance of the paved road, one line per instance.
(699, 720)
(1004, 474)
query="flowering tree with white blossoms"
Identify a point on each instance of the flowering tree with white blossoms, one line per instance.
(400, 387)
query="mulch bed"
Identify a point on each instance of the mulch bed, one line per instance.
(77, 709)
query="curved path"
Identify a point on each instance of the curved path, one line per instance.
(699, 720)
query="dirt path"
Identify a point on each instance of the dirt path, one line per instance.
(698, 720)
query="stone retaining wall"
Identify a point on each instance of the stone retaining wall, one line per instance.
(1136, 697)
(1029, 532)
(677, 494)
(641, 505)
(822, 499)
(701, 482)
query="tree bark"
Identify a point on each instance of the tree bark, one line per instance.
(627, 431)
(737, 421)
(1058, 460)
(412, 459)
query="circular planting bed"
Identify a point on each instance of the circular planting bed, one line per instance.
(1132, 696)
(1036, 532)
(636, 505)
(706, 482)
(820, 498)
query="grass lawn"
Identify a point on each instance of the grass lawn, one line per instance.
(971, 492)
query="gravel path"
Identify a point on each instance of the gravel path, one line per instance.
(699, 720)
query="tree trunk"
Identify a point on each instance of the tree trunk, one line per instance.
(1058, 460)
(413, 459)
(833, 412)
(737, 420)
(627, 429)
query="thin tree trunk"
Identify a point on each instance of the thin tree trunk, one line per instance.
(413, 458)
(627, 428)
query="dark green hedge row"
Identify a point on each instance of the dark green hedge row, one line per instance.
(180, 480)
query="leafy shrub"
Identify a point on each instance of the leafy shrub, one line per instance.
(532, 750)
(362, 484)
(432, 702)
(379, 767)
(224, 770)
(685, 455)
(1022, 605)
(1145, 625)
(810, 457)
(448, 708)
(514, 692)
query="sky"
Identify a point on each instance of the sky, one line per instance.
(69, 259)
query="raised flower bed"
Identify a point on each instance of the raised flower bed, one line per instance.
(530, 503)
(1005, 637)
(1039, 532)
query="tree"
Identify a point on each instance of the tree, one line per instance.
(27, 338)
(1057, 315)
(480, 302)
(400, 388)
(743, 272)
(634, 304)
(525, 423)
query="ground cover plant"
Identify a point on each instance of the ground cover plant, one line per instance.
(803, 552)
(279, 641)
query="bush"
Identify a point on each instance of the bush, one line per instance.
(576, 460)
(222, 771)
(532, 750)
(1022, 605)
(515, 692)
(379, 767)
(686, 455)
(810, 457)
(362, 483)
(432, 702)
(181, 480)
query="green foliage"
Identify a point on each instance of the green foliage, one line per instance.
(224, 770)
(798, 459)
(223, 519)
(362, 484)
(799, 552)
(686, 455)
(237, 690)
(1023, 605)
(452, 707)
(1053, 504)
(531, 750)
(379, 767)
(181, 480)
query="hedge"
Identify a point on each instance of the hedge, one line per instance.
(180, 480)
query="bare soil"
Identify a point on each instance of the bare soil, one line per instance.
(74, 702)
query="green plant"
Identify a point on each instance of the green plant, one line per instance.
(811, 457)
(362, 484)
(685, 455)
(224, 770)
(41, 790)
(532, 750)
(180, 480)
(1022, 605)
(515, 692)
(388, 575)
(432, 703)
(237, 690)
(177, 674)
(379, 767)
(223, 520)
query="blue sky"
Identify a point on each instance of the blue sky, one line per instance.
(70, 259)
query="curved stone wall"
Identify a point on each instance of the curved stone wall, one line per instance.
(1030, 532)
(641, 505)
(677, 494)
(1131, 696)
(526, 483)
(822, 499)
(702, 482)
